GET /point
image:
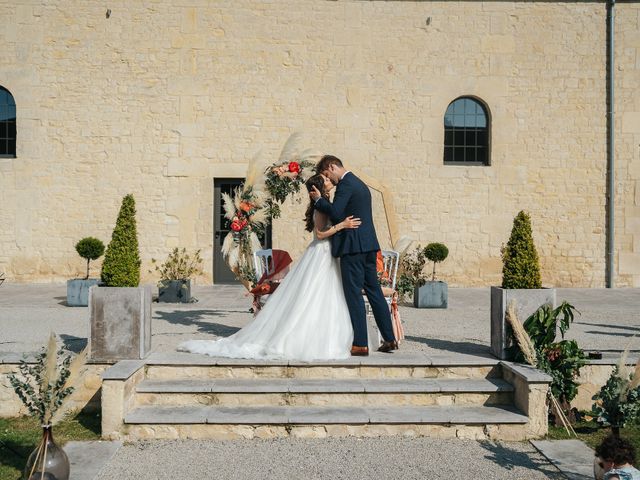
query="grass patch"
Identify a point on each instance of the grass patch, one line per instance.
(592, 433)
(19, 436)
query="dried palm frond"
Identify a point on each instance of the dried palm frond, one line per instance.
(254, 171)
(75, 368)
(228, 244)
(233, 258)
(255, 242)
(402, 244)
(76, 365)
(237, 198)
(229, 206)
(260, 216)
(623, 370)
(291, 150)
(50, 363)
(259, 198)
(522, 337)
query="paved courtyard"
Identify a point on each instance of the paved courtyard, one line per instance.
(609, 318)
(608, 321)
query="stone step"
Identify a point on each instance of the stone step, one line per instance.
(322, 392)
(287, 415)
(174, 372)
(304, 385)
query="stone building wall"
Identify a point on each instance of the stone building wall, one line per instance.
(164, 96)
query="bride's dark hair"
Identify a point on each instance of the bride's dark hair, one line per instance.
(318, 182)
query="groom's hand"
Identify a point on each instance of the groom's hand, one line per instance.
(314, 194)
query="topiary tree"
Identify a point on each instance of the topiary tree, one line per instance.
(90, 248)
(436, 252)
(521, 268)
(121, 267)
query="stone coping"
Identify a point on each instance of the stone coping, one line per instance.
(527, 372)
(326, 415)
(123, 370)
(329, 385)
(373, 360)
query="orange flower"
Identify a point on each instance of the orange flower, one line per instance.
(246, 206)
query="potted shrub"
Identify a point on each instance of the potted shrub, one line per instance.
(433, 293)
(120, 310)
(88, 248)
(520, 282)
(175, 275)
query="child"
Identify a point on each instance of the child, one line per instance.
(616, 458)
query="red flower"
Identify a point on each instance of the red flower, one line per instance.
(294, 167)
(238, 223)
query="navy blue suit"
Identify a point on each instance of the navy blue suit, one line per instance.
(357, 248)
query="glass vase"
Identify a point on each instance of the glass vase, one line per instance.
(48, 461)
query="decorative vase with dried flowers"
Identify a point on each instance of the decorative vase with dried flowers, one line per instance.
(43, 386)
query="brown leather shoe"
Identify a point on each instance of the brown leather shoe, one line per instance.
(386, 347)
(359, 351)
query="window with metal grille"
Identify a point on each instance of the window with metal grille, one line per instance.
(7, 124)
(466, 133)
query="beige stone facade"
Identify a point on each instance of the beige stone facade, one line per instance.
(164, 96)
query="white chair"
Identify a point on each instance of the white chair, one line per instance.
(390, 261)
(263, 263)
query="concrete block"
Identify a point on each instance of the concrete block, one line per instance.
(78, 291)
(120, 323)
(527, 302)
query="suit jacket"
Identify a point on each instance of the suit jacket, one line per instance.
(352, 198)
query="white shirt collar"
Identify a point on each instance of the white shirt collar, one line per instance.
(348, 171)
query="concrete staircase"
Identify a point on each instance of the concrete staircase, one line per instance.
(188, 396)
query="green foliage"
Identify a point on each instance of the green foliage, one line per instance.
(591, 433)
(404, 285)
(521, 268)
(543, 324)
(618, 401)
(411, 270)
(121, 266)
(561, 360)
(90, 248)
(179, 265)
(436, 252)
(43, 385)
(281, 182)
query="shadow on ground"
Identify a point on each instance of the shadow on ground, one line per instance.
(509, 459)
(449, 346)
(73, 344)
(199, 318)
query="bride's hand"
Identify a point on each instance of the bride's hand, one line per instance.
(351, 222)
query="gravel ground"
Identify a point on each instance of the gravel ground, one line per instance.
(338, 458)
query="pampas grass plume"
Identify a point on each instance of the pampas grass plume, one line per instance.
(522, 337)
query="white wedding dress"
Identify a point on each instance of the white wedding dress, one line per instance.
(306, 318)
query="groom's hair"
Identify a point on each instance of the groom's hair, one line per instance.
(326, 161)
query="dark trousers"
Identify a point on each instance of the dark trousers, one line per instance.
(359, 273)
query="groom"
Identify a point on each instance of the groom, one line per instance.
(357, 250)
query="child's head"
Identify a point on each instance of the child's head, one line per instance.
(616, 450)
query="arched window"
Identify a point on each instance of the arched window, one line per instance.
(466, 132)
(7, 124)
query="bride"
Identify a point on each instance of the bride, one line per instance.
(306, 318)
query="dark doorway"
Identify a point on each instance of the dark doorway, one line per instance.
(222, 274)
